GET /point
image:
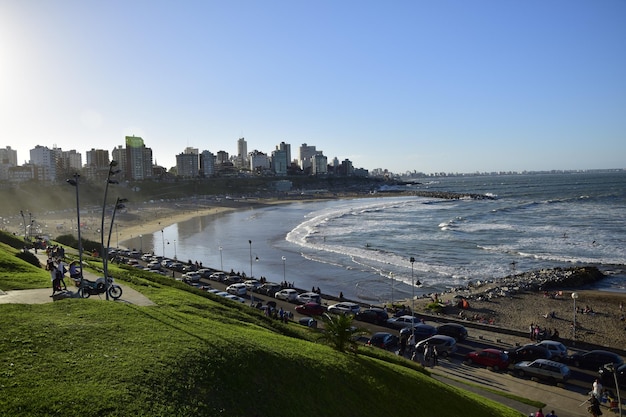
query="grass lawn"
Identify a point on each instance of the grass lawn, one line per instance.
(194, 355)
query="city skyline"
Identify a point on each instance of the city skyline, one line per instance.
(408, 86)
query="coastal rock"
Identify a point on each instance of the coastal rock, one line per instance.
(541, 280)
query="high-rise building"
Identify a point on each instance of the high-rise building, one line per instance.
(97, 158)
(306, 153)
(242, 153)
(187, 163)
(222, 157)
(319, 165)
(281, 158)
(44, 160)
(279, 162)
(8, 159)
(138, 159)
(259, 161)
(8, 156)
(207, 164)
(97, 166)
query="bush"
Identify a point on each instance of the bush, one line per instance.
(12, 240)
(71, 241)
(29, 257)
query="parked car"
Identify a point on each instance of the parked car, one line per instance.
(205, 272)
(308, 297)
(235, 298)
(557, 349)
(269, 288)
(344, 308)
(402, 321)
(311, 309)
(252, 284)
(233, 279)
(237, 289)
(492, 358)
(607, 377)
(373, 315)
(308, 322)
(384, 340)
(218, 276)
(446, 345)
(528, 353)
(191, 277)
(545, 369)
(287, 294)
(422, 331)
(176, 266)
(458, 331)
(594, 359)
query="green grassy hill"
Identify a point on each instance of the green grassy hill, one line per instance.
(194, 355)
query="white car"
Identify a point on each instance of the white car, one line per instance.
(344, 308)
(402, 321)
(237, 289)
(288, 294)
(191, 276)
(252, 284)
(309, 297)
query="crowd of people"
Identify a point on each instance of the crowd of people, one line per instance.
(57, 268)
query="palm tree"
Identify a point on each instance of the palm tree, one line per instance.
(339, 332)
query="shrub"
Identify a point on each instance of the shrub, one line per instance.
(29, 257)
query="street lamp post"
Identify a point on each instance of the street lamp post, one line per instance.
(175, 255)
(74, 183)
(163, 242)
(141, 244)
(574, 297)
(284, 270)
(611, 368)
(24, 223)
(105, 251)
(221, 260)
(250, 243)
(412, 260)
(391, 276)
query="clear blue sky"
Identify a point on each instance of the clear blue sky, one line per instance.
(432, 86)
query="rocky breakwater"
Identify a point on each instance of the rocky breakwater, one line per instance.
(541, 280)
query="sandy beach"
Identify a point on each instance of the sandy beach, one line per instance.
(603, 325)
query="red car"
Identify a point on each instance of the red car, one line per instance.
(311, 309)
(492, 358)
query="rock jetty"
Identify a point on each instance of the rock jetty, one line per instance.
(541, 280)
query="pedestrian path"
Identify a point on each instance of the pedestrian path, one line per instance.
(43, 295)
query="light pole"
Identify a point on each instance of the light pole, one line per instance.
(412, 260)
(105, 249)
(391, 276)
(284, 270)
(175, 256)
(141, 244)
(119, 204)
(163, 242)
(574, 297)
(74, 183)
(221, 261)
(250, 242)
(24, 223)
(611, 368)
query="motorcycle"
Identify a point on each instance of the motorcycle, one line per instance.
(88, 288)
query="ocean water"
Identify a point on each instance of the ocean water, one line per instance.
(363, 247)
